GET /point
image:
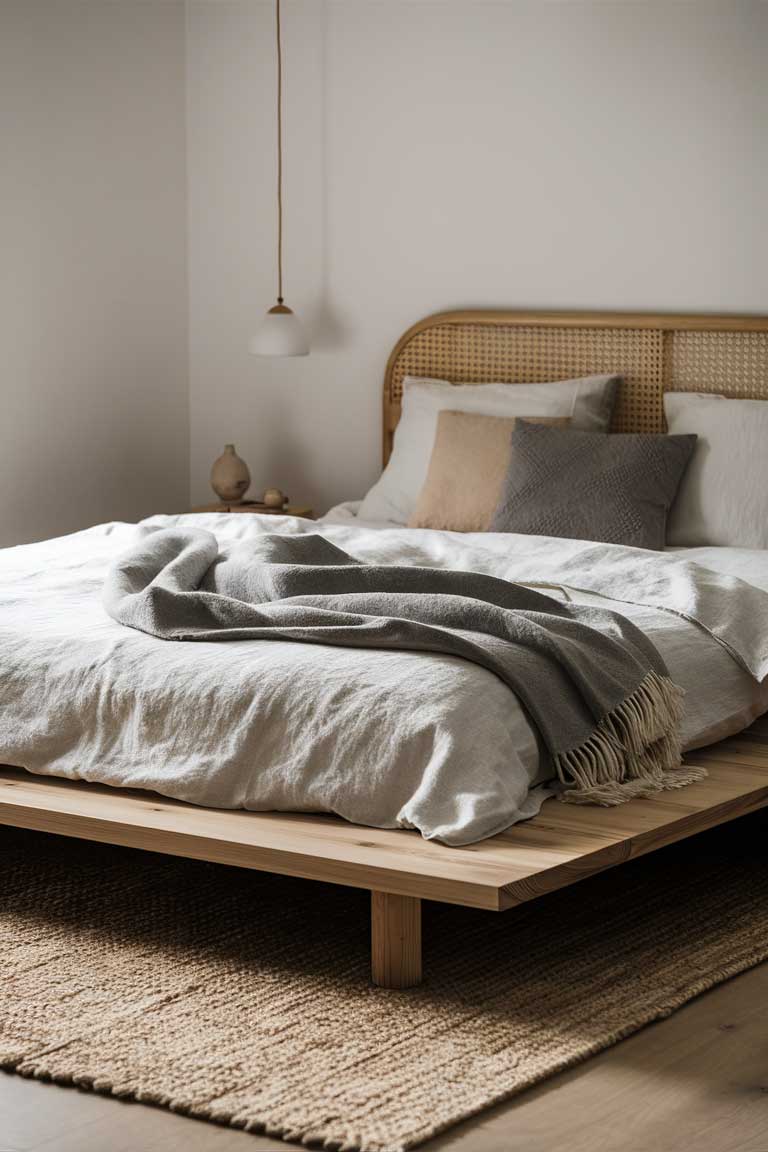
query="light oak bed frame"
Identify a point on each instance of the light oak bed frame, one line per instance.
(725, 354)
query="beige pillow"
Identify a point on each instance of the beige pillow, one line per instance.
(469, 461)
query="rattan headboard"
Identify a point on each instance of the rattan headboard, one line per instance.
(654, 353)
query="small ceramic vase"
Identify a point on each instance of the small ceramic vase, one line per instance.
(230, 477)
(274, 498)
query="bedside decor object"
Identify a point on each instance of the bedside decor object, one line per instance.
(230, 477)
(274, 498)
(281, 332)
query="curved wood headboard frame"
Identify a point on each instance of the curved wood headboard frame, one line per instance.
(654, 353)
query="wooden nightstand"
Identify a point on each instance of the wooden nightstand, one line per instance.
(254, 506)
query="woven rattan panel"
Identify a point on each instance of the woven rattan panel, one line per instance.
(653, 353)
(731, 363)
(477, 353)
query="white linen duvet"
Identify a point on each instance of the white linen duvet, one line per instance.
(382, 738)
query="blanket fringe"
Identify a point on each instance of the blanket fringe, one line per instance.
(634, 751)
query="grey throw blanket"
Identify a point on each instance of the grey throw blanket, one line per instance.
(595, 688)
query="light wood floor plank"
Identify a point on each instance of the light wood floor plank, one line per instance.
(37, 1117)
(696, 1081)
(32, 1114)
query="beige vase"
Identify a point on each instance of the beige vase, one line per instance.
(230, 477)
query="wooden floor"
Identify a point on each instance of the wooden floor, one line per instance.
(697, 1081)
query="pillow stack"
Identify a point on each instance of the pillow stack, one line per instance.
(466, 470)
(538, 459)
(587, 403)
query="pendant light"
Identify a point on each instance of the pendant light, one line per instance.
(281, 332)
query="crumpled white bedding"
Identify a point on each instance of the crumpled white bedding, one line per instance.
(387, 739)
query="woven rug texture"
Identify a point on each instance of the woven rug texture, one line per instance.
(244, 998)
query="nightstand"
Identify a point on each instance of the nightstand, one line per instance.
(254, 506)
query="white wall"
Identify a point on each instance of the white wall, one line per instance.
(552, 153)
(94, 419)
(439, 153)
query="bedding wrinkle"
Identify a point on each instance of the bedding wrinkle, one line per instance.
(387, 739)
(596, 689)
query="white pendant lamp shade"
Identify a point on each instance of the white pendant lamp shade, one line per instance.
(280, 333)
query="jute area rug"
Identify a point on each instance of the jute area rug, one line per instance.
(244, 998)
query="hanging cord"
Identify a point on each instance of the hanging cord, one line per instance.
(279, 159)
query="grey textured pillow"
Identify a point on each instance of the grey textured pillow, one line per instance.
(591, 485)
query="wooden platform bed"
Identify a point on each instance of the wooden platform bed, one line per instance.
(563, 843)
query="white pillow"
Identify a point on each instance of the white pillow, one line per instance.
(723, 496)
(589, 403)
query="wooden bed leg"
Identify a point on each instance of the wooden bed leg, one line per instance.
(395, 940)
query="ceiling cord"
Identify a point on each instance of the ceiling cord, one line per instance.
(279, 158)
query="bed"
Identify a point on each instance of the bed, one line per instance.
(727, 355)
